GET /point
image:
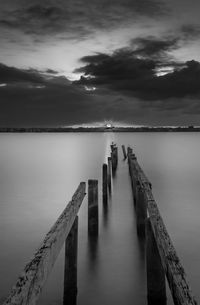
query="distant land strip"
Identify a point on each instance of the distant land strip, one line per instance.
(101, 129)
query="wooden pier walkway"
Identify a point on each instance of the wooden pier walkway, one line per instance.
(162, 261)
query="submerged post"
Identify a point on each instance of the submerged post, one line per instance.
(105, 183)
(141, 210)
(70, 273)
(124, 152)
(114, 157)
(156, 288)
(109, 173)
(93, 222)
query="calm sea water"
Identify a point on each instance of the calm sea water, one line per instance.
(40, 172)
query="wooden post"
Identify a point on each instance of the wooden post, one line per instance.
(156, 289)
(174, 271)
(93, 222)
(109, 173)
(124, 152)
(114, 157)
(129, 150)
(172, 266)
(105, 183)
(70, 273)
(113, 162)
(112, 146)
(29, 285)
(141, 210)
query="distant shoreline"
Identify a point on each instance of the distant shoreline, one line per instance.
(99, 129)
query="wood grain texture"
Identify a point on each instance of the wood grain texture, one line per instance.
(173, 268)
(29, 285)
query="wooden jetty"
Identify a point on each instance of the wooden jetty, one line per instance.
(162, 260)
(161, 255)
(30, 283)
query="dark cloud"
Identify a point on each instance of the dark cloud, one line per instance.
(77, 16)
(29, 98)
(12, 75)
(153, 47)
(40, 101)
(132, 71)
(48, 77)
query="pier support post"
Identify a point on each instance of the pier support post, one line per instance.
(105, 183)
(109, 173)
(156, 288)
(124, 152)
(134, 183)
(93, 222)
(141, 210)
(114, 157)
(70, 271)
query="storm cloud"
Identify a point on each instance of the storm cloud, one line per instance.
(35, 98)
(136, 61)
(134, 71)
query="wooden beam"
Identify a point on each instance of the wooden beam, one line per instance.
(70, 270)
(29, 285)
(109, 173)
(93, 222)
(105, 183)
(174, 270)
(141, 210)
(124, 152)
(114, 157)
(156, 288)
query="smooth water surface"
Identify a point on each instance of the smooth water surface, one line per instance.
(40, 172)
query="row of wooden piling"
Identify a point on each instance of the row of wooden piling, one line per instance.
(161, 256)
(30, 283)
(108, 171)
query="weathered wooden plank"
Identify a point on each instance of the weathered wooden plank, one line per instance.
(109, 173)
(105, 183)
(70, 270)
(93, 214)
(129, 150)
(174, 270)
(156, 288)
(124, 152)
(135, 169)
(141, 210)
(114, 157)
(30, 283)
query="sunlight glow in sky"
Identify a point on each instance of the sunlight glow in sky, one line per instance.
(80, 61)
(90, 88)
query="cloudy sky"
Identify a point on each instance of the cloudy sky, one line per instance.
(88, 62)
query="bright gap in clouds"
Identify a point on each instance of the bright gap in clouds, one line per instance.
(163, 71)
(87, 88)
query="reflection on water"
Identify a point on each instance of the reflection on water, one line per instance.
(105, 213)
(93, 251)
(40, 172)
